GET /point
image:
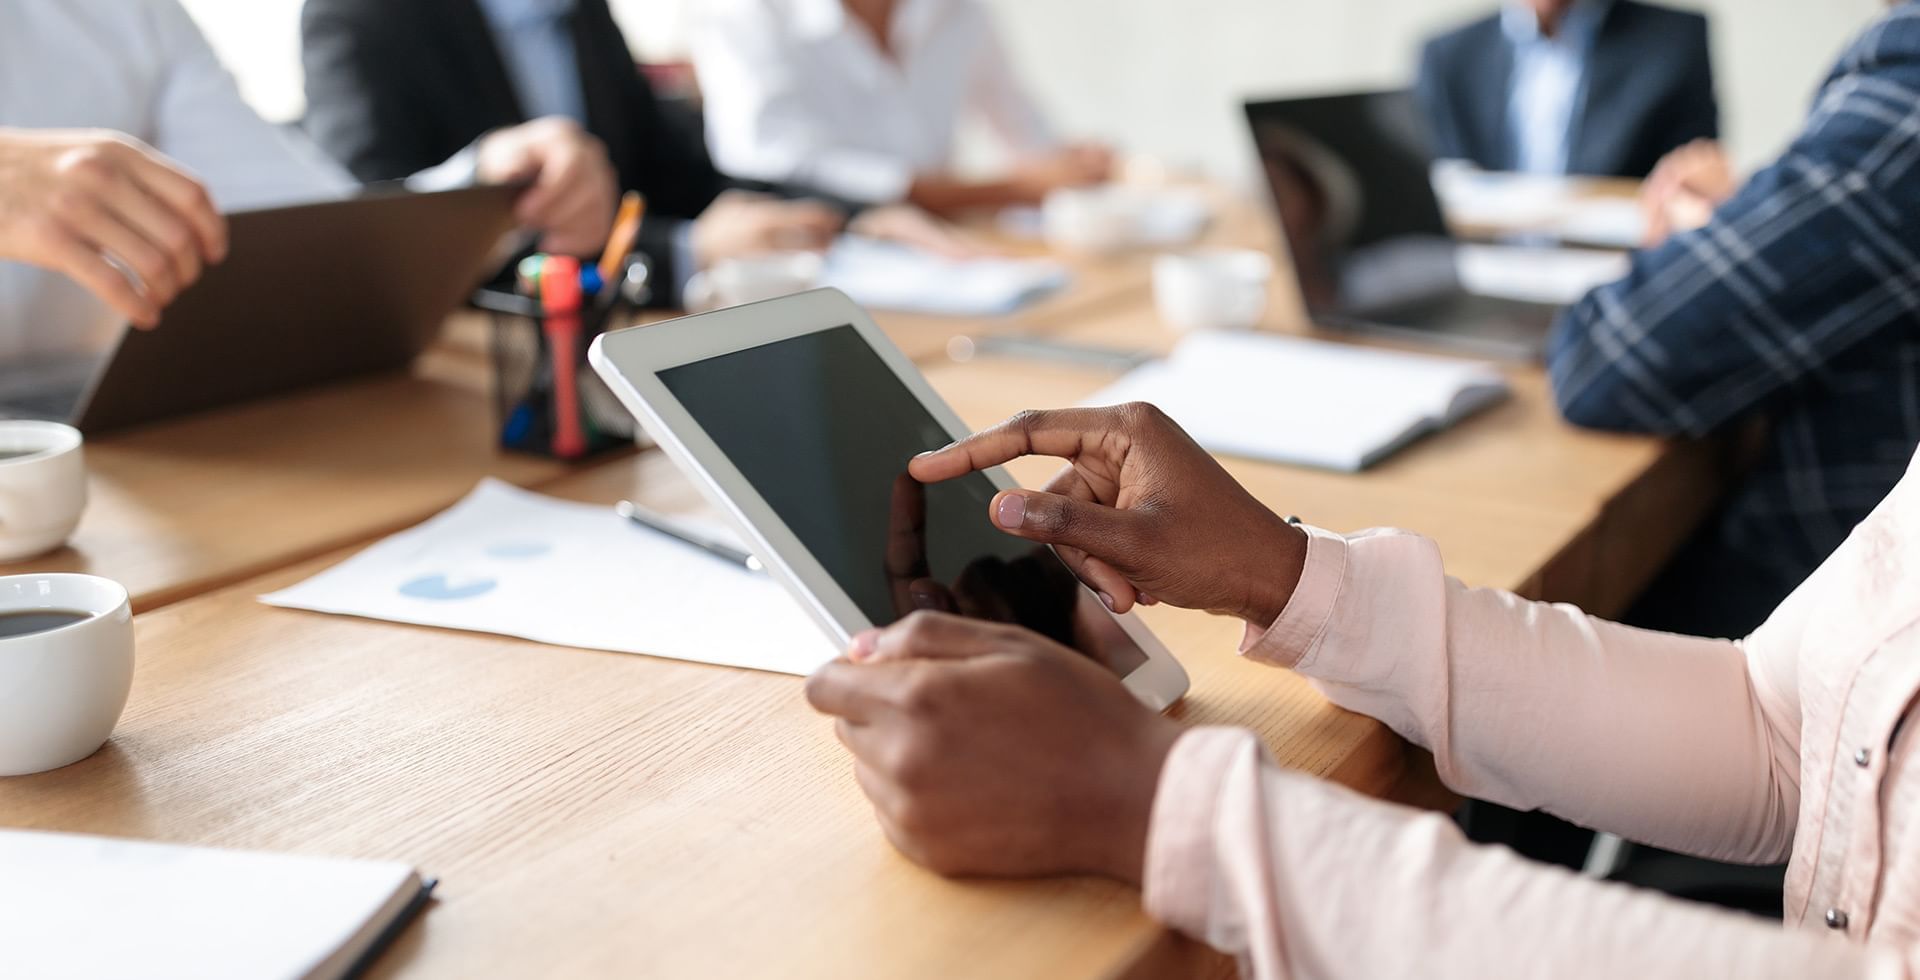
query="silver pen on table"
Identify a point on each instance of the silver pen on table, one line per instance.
(713, 546)
(1062, 352)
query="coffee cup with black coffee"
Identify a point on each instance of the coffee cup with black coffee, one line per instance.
(66, 665)
(43, 486)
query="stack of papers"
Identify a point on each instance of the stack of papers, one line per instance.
(508, 561)
(1558, 276)
(1558, 207)
(886, 276)
(1306, 402)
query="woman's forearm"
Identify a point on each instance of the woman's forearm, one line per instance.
(1300, 878)
(1540, 706)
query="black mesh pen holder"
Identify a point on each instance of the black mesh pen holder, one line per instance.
(547, 400)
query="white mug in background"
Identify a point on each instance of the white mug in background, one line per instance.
(1108, 218)
(1097, 220)
(43, 487)
(66, 664)
(733, 282)
(1212, 289)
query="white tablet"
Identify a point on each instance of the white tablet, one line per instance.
(797, 416)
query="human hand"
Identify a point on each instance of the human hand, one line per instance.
(1033, 589)
(908, 225)
(737, 225)
(95, 206)
(1685, 188)
(989, 750)
(1072, 166)
(574, 189)
(1140, 511)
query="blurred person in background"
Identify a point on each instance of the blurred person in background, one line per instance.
(123, 140)
(865, 98)
(1792, 300)
(393, 85)
(1592, 87)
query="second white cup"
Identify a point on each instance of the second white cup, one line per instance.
(1212, 289)
(43, 487)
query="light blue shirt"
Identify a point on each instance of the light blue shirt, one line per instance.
(536, 42)
(1549, 81)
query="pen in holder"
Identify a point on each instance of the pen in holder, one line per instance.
(548, 401)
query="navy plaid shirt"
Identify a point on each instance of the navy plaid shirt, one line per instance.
(1800, 301)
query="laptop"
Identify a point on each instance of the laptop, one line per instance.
(1351, 182)
(309, 294)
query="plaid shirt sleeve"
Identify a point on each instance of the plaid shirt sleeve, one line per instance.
(1815, 255)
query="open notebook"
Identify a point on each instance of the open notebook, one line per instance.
(1307, 402)
(85, 907)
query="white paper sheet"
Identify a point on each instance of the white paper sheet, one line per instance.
(1305, 402)
(1554, 206)
(508, 561)
(1612, 222)
(1536, 275)
(885, 276)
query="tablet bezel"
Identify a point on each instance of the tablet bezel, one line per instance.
(631, 361)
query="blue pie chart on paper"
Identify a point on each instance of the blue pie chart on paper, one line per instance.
(440, 588)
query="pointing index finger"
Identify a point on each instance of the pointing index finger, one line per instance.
(1066, 433)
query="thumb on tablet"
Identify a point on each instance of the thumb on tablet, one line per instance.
(1100, 531)
(930, 636)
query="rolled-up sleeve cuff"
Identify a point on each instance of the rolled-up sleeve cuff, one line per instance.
(1290, 641)
(1180, 860)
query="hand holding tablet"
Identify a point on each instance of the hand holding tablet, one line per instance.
(799, 418)
(990, 750)
(1001, 717)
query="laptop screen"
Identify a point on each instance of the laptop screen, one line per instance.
(1351, 182)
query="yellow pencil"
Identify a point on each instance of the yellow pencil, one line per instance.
(625, 228)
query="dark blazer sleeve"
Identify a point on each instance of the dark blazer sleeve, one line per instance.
(1698, 114)
(354, 107)
(1431, 91)
(1649, 90)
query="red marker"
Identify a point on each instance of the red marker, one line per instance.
(560, 296)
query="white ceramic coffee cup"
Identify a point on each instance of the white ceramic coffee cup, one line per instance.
(62, 690)
(1109, 218)
(1212, 289)
(733, 282)
(43, 487)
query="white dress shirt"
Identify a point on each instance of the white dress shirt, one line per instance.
(799, 91)
(140, 67)
(1549, 80)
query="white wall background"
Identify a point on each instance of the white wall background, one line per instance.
(1165, 77)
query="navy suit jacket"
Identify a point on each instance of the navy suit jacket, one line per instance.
(1649, 89)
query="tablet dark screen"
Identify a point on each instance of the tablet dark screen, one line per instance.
(823, 430)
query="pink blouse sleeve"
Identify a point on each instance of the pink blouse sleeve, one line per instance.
(1301, 878)
(1686, 743)
(1667, 740)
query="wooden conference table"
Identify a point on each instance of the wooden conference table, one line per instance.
(595, 814)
